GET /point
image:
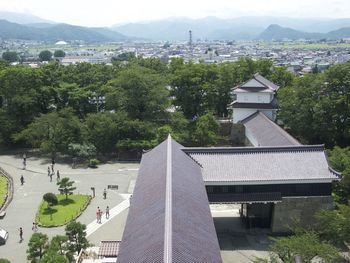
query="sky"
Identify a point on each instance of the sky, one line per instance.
(110, 12)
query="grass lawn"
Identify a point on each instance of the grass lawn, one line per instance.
(3, 189)
(64, 212)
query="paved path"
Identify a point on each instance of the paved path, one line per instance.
(93, 226)
(21, 212)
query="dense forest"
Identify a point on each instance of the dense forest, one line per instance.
(86, 110)
(128, 106)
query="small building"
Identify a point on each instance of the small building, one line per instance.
(169, 218)
(257, 94)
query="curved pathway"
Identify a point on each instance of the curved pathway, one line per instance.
(26, 199)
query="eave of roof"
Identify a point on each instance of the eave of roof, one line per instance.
(259, 106)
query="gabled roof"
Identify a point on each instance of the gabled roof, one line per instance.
(261, 131)
(257, 84)
(169, 218)
(264, 165)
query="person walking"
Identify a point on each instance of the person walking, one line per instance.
(24, 161)
(51, 177)
(35, 227)
(48, 171)
(52, 164)
(20, 234)
(107, 212)
(58, 175)
(22, 179)
(104, 193)
(98, 214)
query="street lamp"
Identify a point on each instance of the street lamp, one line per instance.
(97, 100)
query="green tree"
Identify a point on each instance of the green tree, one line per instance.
(126, 56)
(76, 234)
(59, 53)
(10, 56)
(65, 186)
(334, 225)
(37, 246)
(20, 99)
(3, 260)
(138, 91)
(50, 199)
(59, 244)
(316, 108)
(45, 55)
(307, 245)
(206, 131)
(340, 160)
(52, 257)
(111, 125)
(194, 89)
(58, 251)
(53, 132)
(85, 150)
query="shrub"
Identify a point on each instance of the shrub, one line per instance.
(93, 163)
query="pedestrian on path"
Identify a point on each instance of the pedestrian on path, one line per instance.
(20, 234)
(104, 193)
(51, 177)
(24, 161)
(48, 171)
(22, 179)
(53, 164)
(100, 217)
(107, 212)
(35, 227)
(98, 214)
(58, 175)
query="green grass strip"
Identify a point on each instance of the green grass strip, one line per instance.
(64, 212)
(3, 190)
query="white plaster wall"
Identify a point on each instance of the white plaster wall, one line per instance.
(254, 97)
(240, 114)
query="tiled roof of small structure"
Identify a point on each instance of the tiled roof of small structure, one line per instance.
(109, 248)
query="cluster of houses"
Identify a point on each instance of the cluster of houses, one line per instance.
(299, 60)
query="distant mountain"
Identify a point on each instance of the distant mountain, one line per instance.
(276, 32)
(22, 18)
(340, 33)
(224, 29)
(52, 33)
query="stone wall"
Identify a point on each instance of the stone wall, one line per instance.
(298, 211)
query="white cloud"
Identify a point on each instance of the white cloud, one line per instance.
(108, 12)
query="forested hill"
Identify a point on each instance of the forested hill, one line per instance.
(276, 32)
(56, 32)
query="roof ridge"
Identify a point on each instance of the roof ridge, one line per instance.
(168, 205)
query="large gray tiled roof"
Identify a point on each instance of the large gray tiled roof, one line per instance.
(169, 218)
(263, 165)
(261, 131)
